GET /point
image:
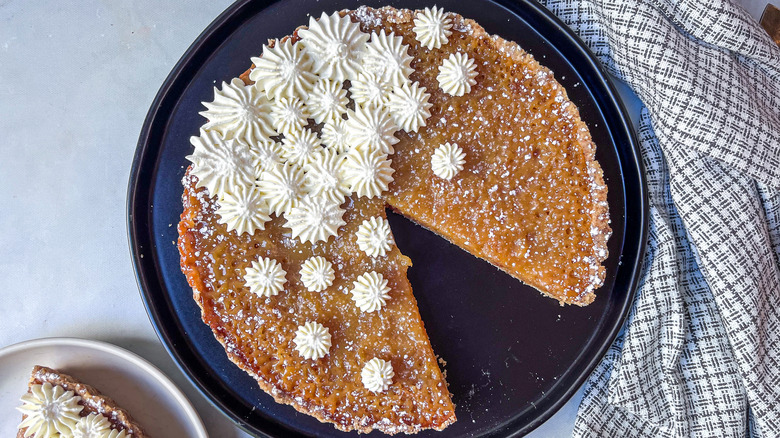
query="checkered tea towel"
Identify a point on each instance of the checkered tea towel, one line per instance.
(700, 353)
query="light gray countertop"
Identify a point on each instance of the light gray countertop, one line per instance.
(76, 81)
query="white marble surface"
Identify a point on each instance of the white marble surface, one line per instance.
(76, 80)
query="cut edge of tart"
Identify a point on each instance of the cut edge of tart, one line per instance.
(89, 403)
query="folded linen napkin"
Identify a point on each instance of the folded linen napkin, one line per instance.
(700, 353)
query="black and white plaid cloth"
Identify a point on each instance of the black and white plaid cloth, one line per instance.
(700, 354)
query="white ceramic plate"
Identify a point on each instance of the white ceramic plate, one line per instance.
(135, 384)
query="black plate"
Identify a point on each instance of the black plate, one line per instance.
(513, 356)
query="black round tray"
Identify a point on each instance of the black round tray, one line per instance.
(513, 356)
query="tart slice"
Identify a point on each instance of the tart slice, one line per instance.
(530, 197)
(56, 405)
(260, 332)
(284, 238)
